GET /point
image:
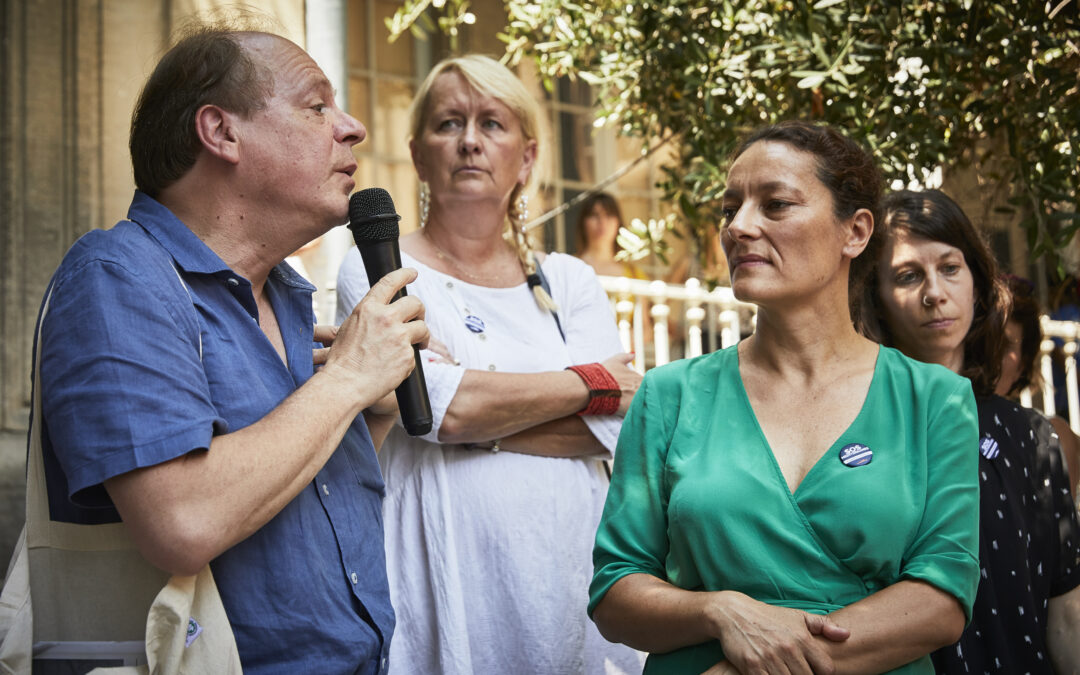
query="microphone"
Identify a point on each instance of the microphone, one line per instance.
(374, 225)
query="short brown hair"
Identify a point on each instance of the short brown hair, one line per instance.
(209, 65)
(932, 215)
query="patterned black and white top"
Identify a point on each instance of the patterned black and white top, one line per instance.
(1029, 547)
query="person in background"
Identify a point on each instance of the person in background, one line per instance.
(179, 389)
(805, 471)
(599, 222)
(1023, 336)
(936, 296)
(490, 517)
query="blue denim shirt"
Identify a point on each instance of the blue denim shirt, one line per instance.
(124, 386)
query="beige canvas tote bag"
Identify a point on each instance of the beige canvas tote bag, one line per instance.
(84, 592)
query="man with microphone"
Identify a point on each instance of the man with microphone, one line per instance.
(179, 391)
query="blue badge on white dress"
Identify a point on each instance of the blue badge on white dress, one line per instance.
(989, 447)
(856, 454)
(474, 323)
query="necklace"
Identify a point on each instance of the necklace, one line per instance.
(498, 279)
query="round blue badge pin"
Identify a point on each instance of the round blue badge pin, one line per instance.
(988, 447)
(856, 454)
(474, 323)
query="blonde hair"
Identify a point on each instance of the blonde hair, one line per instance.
(491, 78)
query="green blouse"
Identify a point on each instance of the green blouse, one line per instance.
(697, 498)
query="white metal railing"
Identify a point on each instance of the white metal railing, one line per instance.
(703, 319)
(715, 319)
(1069, 333)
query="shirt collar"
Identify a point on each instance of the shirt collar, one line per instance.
(189, 252)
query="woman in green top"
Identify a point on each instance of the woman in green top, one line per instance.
(805, 501)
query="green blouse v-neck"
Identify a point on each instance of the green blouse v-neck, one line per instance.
(698, 499)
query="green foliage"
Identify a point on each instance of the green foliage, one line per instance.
(922, 83)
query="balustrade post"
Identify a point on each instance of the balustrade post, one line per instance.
(1047, 370)
(694, 316)
(730, 330)
(624, 314)
(1025, 397)
(660, 311)
(639, 334)
(1070, 382)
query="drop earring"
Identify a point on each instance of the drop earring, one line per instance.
(425, 203)
(522, 210)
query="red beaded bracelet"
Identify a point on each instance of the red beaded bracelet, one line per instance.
(604, 391)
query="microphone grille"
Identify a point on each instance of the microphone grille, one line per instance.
(372, 215)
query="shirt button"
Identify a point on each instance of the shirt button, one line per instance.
(233, 282)
(491, 367)
(353, 577)
(449, 284)
(483, 336)
(326, 490)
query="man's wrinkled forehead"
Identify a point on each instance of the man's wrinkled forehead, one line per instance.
(283, 58)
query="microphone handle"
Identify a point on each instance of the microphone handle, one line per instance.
(381, 258)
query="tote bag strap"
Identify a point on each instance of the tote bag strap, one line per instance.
(94, 594)
(88, 582)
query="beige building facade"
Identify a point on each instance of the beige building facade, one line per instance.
(70, 72)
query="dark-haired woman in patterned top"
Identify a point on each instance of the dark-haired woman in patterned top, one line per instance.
(936, 296)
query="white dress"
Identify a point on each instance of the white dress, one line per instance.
(489, 555)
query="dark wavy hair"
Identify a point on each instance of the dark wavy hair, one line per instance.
(604, 201)
(1026, 312)
(208, 65)
(932, 215)
(851, 175)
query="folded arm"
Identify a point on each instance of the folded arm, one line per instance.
(895, 626)
(652, 615)
(534, 413)
(564, 437)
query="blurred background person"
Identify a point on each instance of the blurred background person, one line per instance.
(599, 222)
(598, 225)
(804, 471)
(936, 296)
(1019, 365)
(491, 517)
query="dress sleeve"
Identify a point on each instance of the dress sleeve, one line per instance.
(591, 333)
(352, 284)
(632, 536)
(945, 550)
(442, 379)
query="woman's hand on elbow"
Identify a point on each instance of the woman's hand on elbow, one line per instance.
(760, 638)
(629, 379)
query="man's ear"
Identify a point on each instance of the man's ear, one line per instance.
(217, 133)
(862, 228)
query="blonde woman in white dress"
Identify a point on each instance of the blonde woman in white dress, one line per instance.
(490, 518)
